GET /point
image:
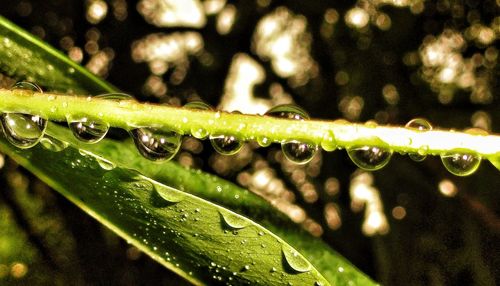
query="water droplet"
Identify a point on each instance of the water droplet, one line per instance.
(23, 130)
(298, 152)
(26, 86)
(369, 158)
(88, 130)
(198, 131)
(53, 144)
(295, 151)
(118, 96)
(169, 194)
(156, 144)
(226, 144)
(329, 143)
(105, 164)
(422, 125)
(263, 141)
(461, 164)
(233, 221)
(295, 260)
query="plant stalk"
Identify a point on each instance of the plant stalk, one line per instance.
(130, 114)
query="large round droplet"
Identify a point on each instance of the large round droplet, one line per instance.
(23, 130)
(88, 130)
(461, 164)
(156, 144)
(295, 260)
(369, 158)
(226, 144)
(298, 152)
(422, 125)
(295, 151)
(198, 131)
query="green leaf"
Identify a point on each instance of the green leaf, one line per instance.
(495, 162)
(135, 198)
(193, 237)
(24, 56)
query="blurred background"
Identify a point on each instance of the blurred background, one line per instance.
(383, 60)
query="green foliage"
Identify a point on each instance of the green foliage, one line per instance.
(198, 239)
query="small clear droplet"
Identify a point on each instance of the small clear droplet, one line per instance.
(26, 86)
(369, 158)
(226, 144)
(169, 194)
(422, 125)
(329, 142)
(53, 144)
(198, 131)
(263, 141)
(156, 144)
(233, 221)
(88, 130)
(105, 164)
(295, 260)
(461, 164)
(295, 151)
(115, 96)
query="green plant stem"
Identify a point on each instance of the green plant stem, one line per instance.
(130, 114)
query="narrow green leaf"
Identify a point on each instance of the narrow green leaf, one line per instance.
(191, 236)
(141, 193)
(25, 56)
(330, 264)
(495, 162)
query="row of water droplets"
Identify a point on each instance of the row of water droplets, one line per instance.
(25, 131)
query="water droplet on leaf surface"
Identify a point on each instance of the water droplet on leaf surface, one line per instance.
(156, 144)
(23, 130)
(329, 142)
(295, 151)
(461, 164)
(27, 86)
(168, 194)
(226, 144)
(422, 125)
(198, 131)
(53, 144)
(233, 221)
(115, 96)
(295, 260)
(105, 164)
(88, 130)
(369, 158)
